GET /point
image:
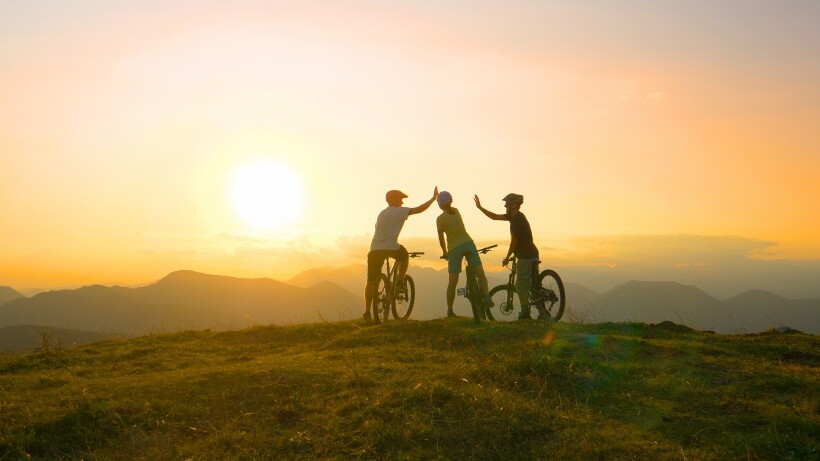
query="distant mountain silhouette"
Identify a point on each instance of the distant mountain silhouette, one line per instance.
(635, 301)
(183, 300)
(26, 338)
(9, 294)
(352, 278)
(192, 300)
(756, 310)
(654, 302)
(91, 308)
(579, 297)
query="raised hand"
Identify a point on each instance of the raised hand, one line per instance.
(477, 201)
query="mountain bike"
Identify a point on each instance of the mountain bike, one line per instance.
(547, 293)
(472, 291)
(388, 296)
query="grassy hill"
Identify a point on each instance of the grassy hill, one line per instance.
(441, 389)
(26, 338)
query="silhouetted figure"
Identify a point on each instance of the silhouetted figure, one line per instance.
(450, 224)
(385, 242)
(522, 246)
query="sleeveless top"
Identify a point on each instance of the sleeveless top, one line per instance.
(453, 227)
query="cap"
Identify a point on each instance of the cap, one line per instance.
(394, 195)
(444, 198)
(515, 199)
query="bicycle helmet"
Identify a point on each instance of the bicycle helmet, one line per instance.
(444, 198)
(394, 195)
(515, 199)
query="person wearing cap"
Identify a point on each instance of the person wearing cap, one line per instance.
(522, 246)
(450, 224)
(385, 243)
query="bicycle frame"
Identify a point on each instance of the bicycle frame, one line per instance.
(382, 305)
(471, 289)
(511, 282)
(549, 300)
(392, 271)
(514, 275)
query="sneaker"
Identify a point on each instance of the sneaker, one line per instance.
(367, 316)
(488, 302)
(401, 288)
(450, 313)
(524, 316)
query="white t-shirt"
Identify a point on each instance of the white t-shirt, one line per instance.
(388, 227)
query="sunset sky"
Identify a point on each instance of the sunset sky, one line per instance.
(136, 137)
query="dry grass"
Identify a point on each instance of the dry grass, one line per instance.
(443, 389)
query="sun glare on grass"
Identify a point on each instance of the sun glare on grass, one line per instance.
(266, 193)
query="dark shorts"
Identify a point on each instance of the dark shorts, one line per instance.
(527, 274)
(375, 261)
(466, 251)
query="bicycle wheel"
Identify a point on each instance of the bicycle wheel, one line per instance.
(551, 294)
(474, 296)
(507, 306)
(381, 300)
(403, 302)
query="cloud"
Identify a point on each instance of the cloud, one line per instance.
(246, 238)
(671, 250)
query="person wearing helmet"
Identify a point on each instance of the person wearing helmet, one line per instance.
(522, 246)
(385, 242)
(450, 224)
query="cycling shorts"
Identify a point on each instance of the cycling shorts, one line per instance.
(527, 273)
(375, 261)
(465, 250)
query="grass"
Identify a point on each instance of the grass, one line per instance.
(442, 389)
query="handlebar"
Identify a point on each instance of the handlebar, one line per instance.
(415, 254)
(482, 251)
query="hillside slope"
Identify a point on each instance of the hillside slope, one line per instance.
(443, 389)
(24, 338)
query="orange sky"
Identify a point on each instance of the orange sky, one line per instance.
(122, 123)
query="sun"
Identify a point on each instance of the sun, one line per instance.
(266, 193)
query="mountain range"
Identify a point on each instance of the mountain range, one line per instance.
(182, 300)
(653, 302)
(9, 294)
(634, 301)
(190, 300)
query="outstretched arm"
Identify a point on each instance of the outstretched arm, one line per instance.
(488, 213)
(426, 204)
